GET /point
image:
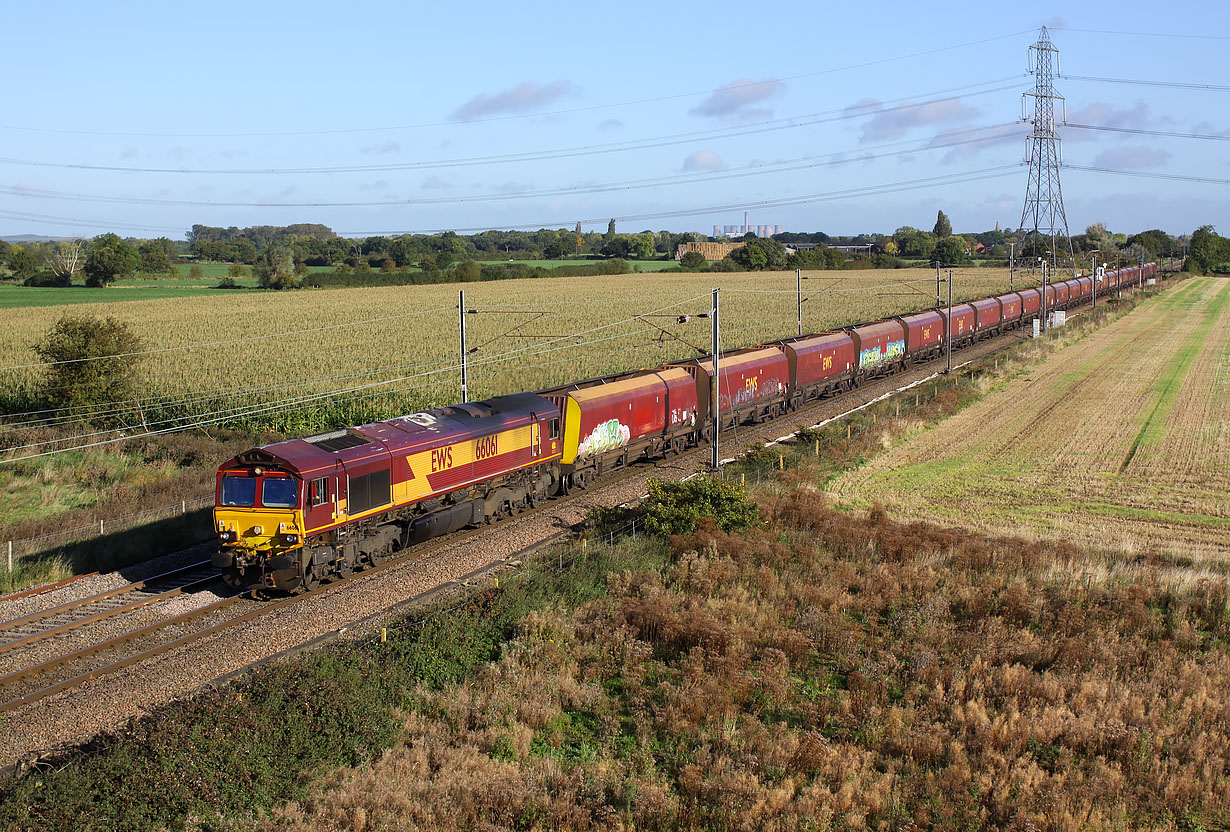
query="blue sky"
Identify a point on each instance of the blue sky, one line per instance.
(651, 112)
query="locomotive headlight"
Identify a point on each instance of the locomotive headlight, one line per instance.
(226, 537)
(258, 530)
(290, 538)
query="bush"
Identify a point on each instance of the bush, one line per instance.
(47, 279)
(227, 283)
(693, 261)
(91, 361)
(676, 507)
(725, 265)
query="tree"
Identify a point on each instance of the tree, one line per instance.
(236, 270)
(643, 246)
(66, 259)
(891, 248)
(610, 229)
(692, 261)
(1208, 249)
(760, 253)
(1154, 242)
(274, 269)
(950, 250)
(156, 258)
(90, 361)
(556, 248)
(22, 263)
(617, 246)
(108, 257)
(943, 228)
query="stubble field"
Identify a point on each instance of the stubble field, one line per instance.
(1119, 442)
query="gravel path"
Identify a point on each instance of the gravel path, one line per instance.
(107, 703)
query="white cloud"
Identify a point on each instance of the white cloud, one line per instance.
(896, 122)
(521, 98)
(736, 99)
(703, 160)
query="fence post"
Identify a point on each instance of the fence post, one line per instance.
(100, 528)
(183, 506)
(10, 557)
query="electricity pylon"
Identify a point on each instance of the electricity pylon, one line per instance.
(1043, 216)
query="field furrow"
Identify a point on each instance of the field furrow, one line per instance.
(1117, 442)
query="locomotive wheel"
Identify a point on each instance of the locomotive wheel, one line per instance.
(310, 582)
(345, 568)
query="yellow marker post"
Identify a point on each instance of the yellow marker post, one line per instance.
(384, 635)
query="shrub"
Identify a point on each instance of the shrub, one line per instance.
(91, 361)
(675, 507)
(693, 261)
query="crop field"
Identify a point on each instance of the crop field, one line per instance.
(1119, 442)
(298, 361)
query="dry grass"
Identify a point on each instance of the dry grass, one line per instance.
(755, 307)
(1119, 442)
(826, 671)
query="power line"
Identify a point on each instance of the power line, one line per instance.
(788, 165)
(872, 190)
(1139, 131)
(1183, 85)
(1143, 34)
(1144, 174)
(676, 96)
(652, 142)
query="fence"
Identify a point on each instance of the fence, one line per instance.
(26, 547)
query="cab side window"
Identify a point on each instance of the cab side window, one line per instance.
(554, 430)
(320, 491)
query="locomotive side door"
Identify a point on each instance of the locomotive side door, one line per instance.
(535, 437)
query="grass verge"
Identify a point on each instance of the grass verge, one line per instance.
(262, 740)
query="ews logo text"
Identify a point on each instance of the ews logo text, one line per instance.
(441, 459)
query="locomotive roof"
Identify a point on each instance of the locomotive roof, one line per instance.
(401, 434)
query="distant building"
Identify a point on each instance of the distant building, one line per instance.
(746, 228)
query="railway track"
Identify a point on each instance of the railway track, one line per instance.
(59, 620)
(130, 646)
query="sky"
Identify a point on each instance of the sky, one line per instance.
(394, 117)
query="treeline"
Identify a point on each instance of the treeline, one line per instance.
(282, 256)
(317, 245)
(468, 271)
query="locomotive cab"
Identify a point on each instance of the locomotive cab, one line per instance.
(258, 516)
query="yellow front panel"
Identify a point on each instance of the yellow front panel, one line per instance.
(271, 522)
